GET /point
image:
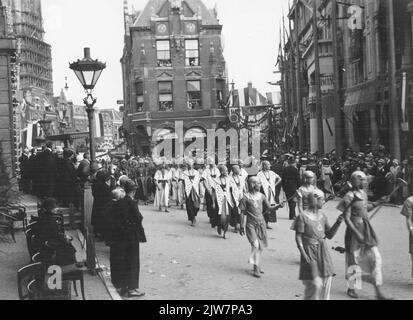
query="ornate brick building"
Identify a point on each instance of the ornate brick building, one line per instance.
(173, 69)
(34, 68)
(362, 109)
(7, 51)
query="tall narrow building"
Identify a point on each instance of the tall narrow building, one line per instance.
(7, 107)
(35, 54)
(35, 81)
(173, 70)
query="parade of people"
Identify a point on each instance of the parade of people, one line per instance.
(232, 198)
(187, 172)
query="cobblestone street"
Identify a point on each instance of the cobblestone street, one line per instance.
(181, 262)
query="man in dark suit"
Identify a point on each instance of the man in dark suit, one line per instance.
(291, 183)
(83, 171)
(24, 165)
(48, 171)
(126, 235)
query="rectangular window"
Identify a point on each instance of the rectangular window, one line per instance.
(139, 97)
(194, 94)
(163, 52)
(220, 94)
(165, 96)
(191, 53)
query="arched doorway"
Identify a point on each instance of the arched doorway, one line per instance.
(195, 142)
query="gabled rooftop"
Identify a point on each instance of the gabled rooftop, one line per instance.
(191, 8)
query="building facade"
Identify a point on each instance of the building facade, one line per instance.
(110, 125)
(8, 46)
(34, 69)
(359, 113)
(173, 70)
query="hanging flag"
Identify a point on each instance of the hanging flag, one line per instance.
(230, 101)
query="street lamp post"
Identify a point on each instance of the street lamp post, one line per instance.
(88, 72)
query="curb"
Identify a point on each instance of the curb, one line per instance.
(104, 275)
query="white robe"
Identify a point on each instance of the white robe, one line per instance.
(241, 183)
(162, 192)
(191, 184)
(174, 182)
(209, 182)
(268, 180)
(226, 198)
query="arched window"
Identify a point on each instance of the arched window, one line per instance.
(194, 133)
(196, 139)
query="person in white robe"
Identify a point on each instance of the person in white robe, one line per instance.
(241, 183)
(227, 198)
(208, 176)
(162, 179)
(191, 182)
(269, 182)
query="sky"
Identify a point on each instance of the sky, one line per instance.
(250, 33)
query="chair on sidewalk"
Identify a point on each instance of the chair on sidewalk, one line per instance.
(26, 275)
(74, 274)
(37, 291)
(69, 273)
(7, 228)
(8, 216)
(33, 290)
(37, 258)
(33, 244)
(18, 213)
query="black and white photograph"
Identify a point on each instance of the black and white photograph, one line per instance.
(223, 152)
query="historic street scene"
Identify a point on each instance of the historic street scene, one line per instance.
(212, 150)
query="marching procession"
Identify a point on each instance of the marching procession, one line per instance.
(248, 204)
(306, 155)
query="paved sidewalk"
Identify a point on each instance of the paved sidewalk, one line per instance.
(180, 262)
(15, 255)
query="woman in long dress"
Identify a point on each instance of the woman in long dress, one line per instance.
(269, 181)
(326, 175)
(227, 198)
(162, 181)
(240, 182)
(208, 177)
(316, 266)
(181, 185)
(191, 182)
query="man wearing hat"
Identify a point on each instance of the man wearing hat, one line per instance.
(126, 235)
(48, 171)
(380, 183)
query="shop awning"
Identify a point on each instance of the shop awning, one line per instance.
(360, 100)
